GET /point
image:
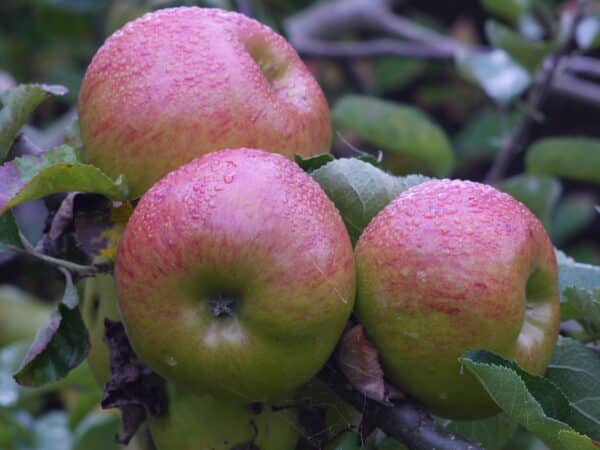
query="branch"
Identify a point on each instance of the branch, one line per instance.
(406, 420)
(312, 32)
(535, 103)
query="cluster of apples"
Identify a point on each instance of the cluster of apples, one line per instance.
(235, 275)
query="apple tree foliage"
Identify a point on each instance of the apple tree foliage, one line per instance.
(559, 181)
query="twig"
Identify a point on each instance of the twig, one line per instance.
(406, 420)
(585, 91)
(535, 103)
(312, 32)
(583, 65)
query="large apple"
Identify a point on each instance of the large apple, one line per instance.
(209, 423)
(451, 266)
(181, 82)
(191, 422)
(236, 275)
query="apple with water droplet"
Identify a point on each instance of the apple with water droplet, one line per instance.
(180, 82)
(191, 422)
(451, 266)
(236, 275)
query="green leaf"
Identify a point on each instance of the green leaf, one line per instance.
(492, 433)
(314, 162)
(533, 401)
(60, 346)
(392, 74)
(502, 79)
(399, 129)
(58, 170)
(360, 190)
(575, 369)
(529, 54)
(539, 193)
(573, 158)
(574, 213)
(575, 441)
(19, 103)
(579, 286)
(481, 138)
(9, 234)
(510, 10)
(587, 33)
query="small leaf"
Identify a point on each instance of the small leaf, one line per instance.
(510, 10)
(539, 193)
(481, 138)
(584, 305)
(587, 34)
(496, 72)
(573, 158)
(528, 53)
(576, 441)
(58, 170)
(360, 190)
(9, 234)
(533, 401)
(575, 369)
(492, 433)
(358, 361)
(19, 103)
(397, 128)
(60, 346)
(573, 214)
(579, 286)
(314, 162)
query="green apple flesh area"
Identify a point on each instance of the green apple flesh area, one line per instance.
(208, 423)
(99, 303)
(451, 266)
(181, 82)
(236, 275)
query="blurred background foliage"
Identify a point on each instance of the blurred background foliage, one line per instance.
(440, 116)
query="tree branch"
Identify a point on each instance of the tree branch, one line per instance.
(535, 103)
(313, 31)
(406, 420)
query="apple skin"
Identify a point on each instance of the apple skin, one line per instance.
(191, 422)
(451, 266)
(209, 423)
(180, 82)
(236, 275)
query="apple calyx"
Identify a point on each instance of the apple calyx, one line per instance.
(223, 304)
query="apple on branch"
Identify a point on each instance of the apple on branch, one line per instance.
(181, 82)
(236, 276)
(451, 266)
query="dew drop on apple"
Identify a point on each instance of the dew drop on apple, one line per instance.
(421, 276)
(228, 179)
(171, 361)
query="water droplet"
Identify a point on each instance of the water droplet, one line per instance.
(171, 361)
(228, 179)
(421, 276)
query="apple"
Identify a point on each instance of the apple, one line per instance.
(209, 423)
(180, 82)
(236, 275)
(191, 422)
(451, 266)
